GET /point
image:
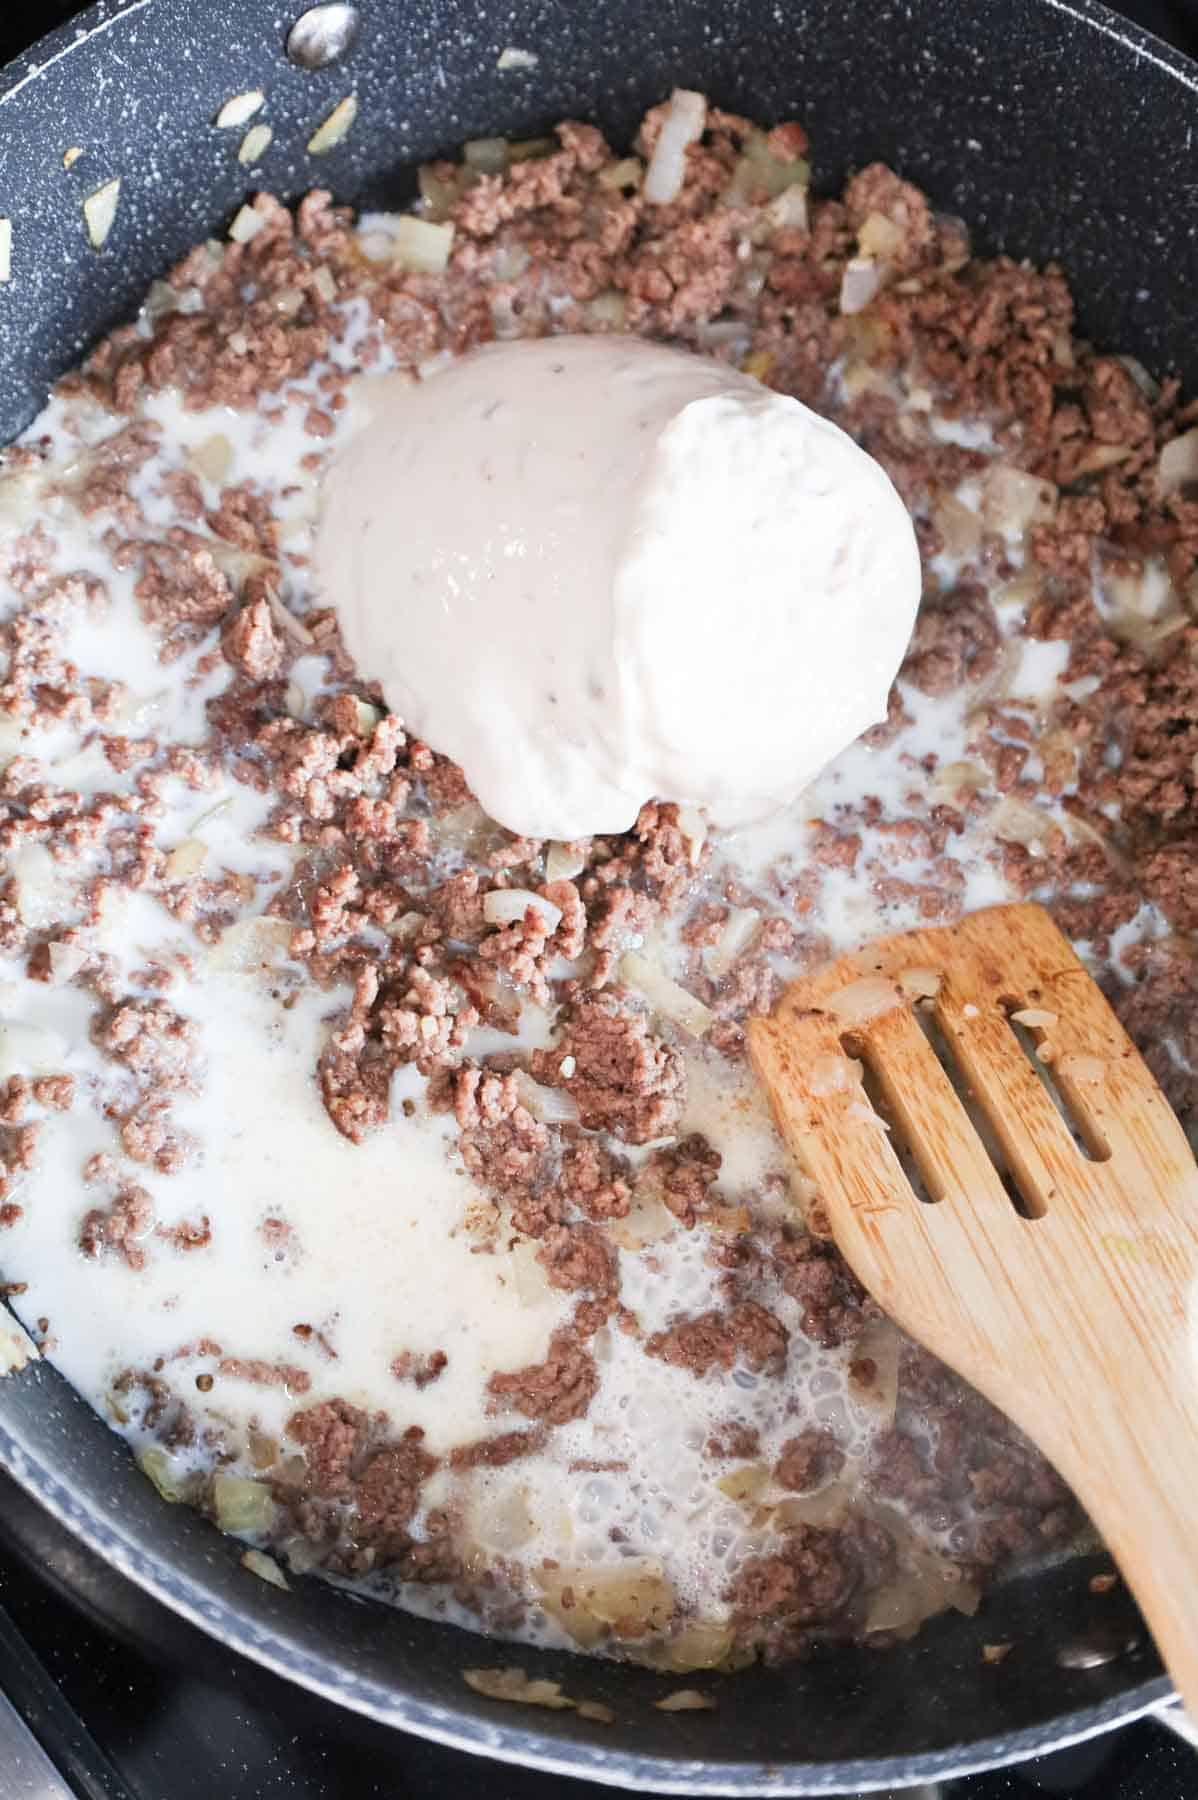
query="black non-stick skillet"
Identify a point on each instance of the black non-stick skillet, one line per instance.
(1059, 133)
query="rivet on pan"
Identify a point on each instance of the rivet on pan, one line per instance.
(322, 35)
(1095, 1651)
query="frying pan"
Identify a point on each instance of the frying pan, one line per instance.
(1057, 132)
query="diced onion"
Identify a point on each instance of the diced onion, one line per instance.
(693, 827)
(251, 943)
(71, 156)
(265, 1568)
(212, 457)
(863, 1000)
(958, 525)
(240, 108)
(514, 1684)
(1012, 500)
(563, 862)
(17, 1348)
(626, 173)
(552, 1106)
(507, 906)
(701, 1645)
(247, 223)
(99, 211)
(172, 1484)
(686, 1700)
(515, 58)
(859, 284)
(1033, 1015)
(879, 1345)
(880, 238)
(332, 130)
(241, 1505)
(921, 984)
(684, 124)
(66, 960)
(185, 860)
(788, 212)
(742, 927)
(1177, 464)
(254, 144)
(422, 247)
(488, 155)
(439, 193)
(664, 995)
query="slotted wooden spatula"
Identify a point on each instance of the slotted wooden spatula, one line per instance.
(1051, 1255)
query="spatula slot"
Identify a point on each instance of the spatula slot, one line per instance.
(1026, 1205)
(1033, 1037)
(874, 1092)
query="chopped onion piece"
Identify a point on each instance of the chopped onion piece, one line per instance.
(515, 58)
(246, 224)
(563, 862)
(265, 1568)
(859, 284)
(332, 130)
(627, 173)
(241, 1505)
(507, 906)
(595, 1709)
(958, 525)
(693, 827)
(864, 999)
(742, 927)
(664, 995)
(240, 108)
(99, 211)
(530, 149)
(172, 1484)
(1033, 1015)
(1013, 500)
(185, 860)
(488, 155)
(254, 144)
(686, 1700)
(552, 1106)
(212, 458)
(66, 960)
(684, 124)
(17, 1348)
(788, 212)
(701, 1645)
(921, 984)
(514, 1684)
(874, 1371)
(1177, 464)
(880, 238)
(71, 157)
(287, 622)
(422, 247)
(1147, 384)
(325, 283)
(439, 193)
(5, 249)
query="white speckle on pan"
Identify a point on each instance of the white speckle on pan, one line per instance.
(5, 249)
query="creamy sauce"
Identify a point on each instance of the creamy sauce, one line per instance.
(566, 559)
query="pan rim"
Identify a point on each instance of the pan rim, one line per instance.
(504, 1742)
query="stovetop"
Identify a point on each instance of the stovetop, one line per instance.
(128, 1703)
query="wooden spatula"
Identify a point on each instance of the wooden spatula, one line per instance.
(1052, 1261)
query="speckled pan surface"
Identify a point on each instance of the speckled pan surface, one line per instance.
(1054, 129)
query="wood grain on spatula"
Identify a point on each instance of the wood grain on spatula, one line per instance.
(1051, 1261)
